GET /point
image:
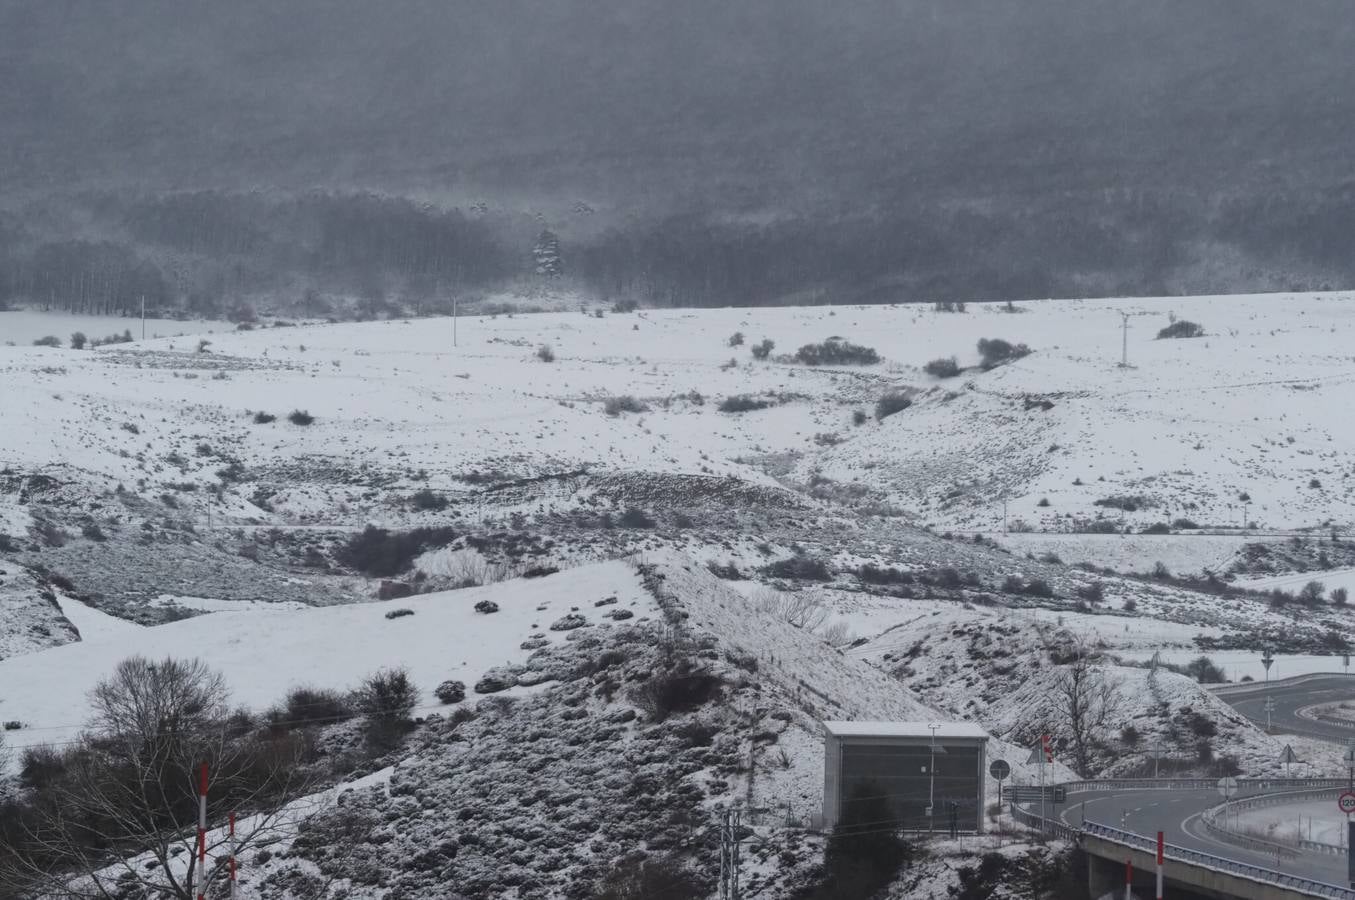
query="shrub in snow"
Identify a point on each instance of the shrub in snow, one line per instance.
(890, 403)
(50, 340)
(859, 417)
(1339, 596)
(1203, 670)
(263, 418)
(836, 351)
(450, 691)
(669, 692)
(1181, 329)
(1156, 528)
(619, 615)
(300, 417)
(943, 367)
(763, 348)
(743, 403)
(540, 571)
(569, 622)
(640, 877)
(381, 553)
(486, 607)
(996, 352)
(545, 353)
(93, 532)
(425, 500)
(736, 339)
(634, 517)
(399, 613)
(386, 699)
(615, 406)
(78, 340)
(1311, 593)
(313, 706)
(804, 568)
(393, 590)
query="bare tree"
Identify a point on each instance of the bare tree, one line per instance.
(803, 609)
(1086, 703)
(120, 816)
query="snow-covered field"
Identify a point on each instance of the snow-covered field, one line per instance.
(22, 326)
(168, 478)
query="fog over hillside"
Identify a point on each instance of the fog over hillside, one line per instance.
(703, 153)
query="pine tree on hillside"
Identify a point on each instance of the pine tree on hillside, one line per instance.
(547, 253)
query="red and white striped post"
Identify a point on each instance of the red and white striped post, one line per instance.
(1128, 879)
(202, 833)
(232, 856)
(1159, 865)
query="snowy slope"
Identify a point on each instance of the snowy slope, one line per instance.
(264, 652)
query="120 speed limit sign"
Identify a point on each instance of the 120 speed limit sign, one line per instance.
(1347, 802)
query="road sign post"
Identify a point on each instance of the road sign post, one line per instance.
(1346, 802)
(1270, 706)
(1129, 879)
(1350, 852)
(999, 769)
(1266, 660)
(1160, 848)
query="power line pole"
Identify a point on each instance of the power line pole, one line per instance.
(729, 855)
(1124, 340)
(143, 317)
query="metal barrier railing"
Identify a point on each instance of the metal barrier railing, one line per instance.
(1186, 855)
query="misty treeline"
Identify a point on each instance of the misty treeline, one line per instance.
(213, 253)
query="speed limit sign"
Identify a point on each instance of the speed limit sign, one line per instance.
(1347, 802)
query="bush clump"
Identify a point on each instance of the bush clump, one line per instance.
(312, 706)
(545, 353)
(615, 406)
(675, 691)
(804, 568)
(944, 367)
(763, 348)
(386, 699)
(736, 339)
(996, 352)
(50, 340)
(836, 352)
(300, 417)
(890, 403)
(263, 418)
(1181, 329)
(427, 501)
(380, 553)
(743, 403)
(635, 517)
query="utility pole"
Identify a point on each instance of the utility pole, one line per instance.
(143, 317)
(729, 854)
(1124, 340)
(454, 316)
(1270, 706)
(931, 782)
(1004, 513)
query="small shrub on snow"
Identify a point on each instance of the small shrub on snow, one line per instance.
(386, 699)
(736, 339)
(427, 501)
(1181, 329)
(944, 367)
(727, 571)
(486, 607)
(763, 348)
(743, 403)
(996, 352)
(634, 517)
(615, 406)
(50, 340)
(263, 418)
(836, 351)
(313, 706)
(399, 613)
(1311, 593)
(545, 353)
(1339, 596)
(78, 340)
(804, 568)
(300, 417)
(890, 403)
(859, 417)
(669, 692)
(1203, 670)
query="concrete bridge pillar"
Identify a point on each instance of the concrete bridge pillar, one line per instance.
(1105, 879)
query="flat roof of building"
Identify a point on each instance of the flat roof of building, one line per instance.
(907, 729)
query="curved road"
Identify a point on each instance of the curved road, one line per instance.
(1292, 695)
(1176, 813)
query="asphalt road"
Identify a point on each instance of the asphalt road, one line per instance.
(1290, 696)
(1176, 813)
